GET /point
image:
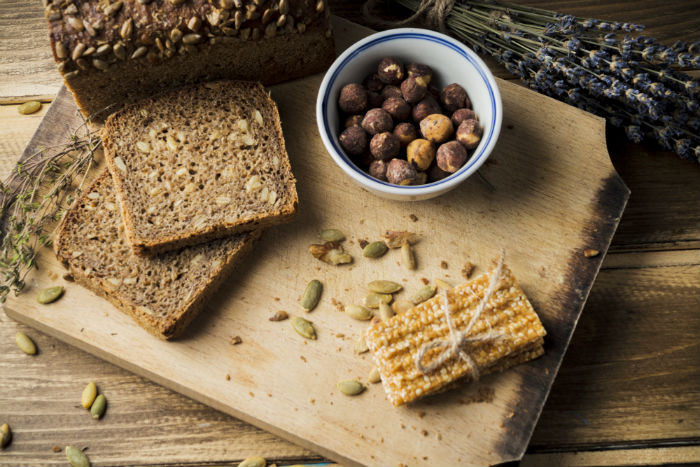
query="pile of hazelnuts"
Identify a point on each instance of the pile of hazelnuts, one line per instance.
(401, 129)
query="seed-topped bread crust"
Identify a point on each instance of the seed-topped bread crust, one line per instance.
(111, 52)
(199, 163)
(164, 293)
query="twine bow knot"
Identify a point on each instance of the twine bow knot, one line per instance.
(437, 12)
(455, 344)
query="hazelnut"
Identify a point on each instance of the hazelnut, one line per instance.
(420, 153)
(384, 146)
(412, 90)
(390, 71)
(421, 72)
(451, 156)
(436, 128)
(372, 83)
(377, 121)
(377, 169)
(435, 173)
(353, 98)
(406, 132)
(461, 115)
(354, 140)
(453, 97)
(374, 99)
(400, 172)
(425, 107)
(352, 120)
(421, 178)
(397, 108)
(391, 91)
(469, 133)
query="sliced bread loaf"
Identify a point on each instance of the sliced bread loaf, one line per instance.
(162, 293)
(199, 163)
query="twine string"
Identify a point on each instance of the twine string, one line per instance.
(455, 344)
(437, 12)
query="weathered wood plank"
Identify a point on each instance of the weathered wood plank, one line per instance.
(613, 379)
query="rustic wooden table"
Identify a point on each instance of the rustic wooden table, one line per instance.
(628, 392)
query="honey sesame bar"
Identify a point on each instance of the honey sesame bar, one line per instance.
(516, 335)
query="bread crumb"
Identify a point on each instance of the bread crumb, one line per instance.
(467, 269)
(421, 414)
(235, 340)
(413, 217)
(68, 278)
(303, 359)
(425, 280)
(363, 243)
(251, 394)
(443, 264)
(56, 448)
(424, 432)
(591, 253)
(281, 315)
(228, 377)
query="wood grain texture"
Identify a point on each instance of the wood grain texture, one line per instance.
(581, 210)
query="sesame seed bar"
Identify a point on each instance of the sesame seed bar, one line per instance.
(395, 343)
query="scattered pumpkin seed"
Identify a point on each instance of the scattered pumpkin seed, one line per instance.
(374, 376)
(89, 394)
(76, 457)
(358, 312)
(279, 316)
(312, 295)
(375, 249)
(425, 293)
(6, 433)
(29, 107)
(385, 312)
(384, 286)
(332, 235)
(50, 294)
(303, 327)
(351, 387)
(98, 407)
(401, 306)
(408, 258)
(254, 461)
(361, 345)
(443, 285)
(25, 343)
(373, 300)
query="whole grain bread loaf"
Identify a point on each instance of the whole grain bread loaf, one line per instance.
(161, 293)
(199, 163)
(112, 52)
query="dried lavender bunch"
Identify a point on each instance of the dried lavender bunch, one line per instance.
(606, 68)
(34, 198)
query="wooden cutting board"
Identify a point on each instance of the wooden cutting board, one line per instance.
(548, 193)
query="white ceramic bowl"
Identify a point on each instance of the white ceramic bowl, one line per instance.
(452, 62)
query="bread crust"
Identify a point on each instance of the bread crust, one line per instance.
(145, 245)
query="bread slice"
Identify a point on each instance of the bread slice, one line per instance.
(199, 163)
(162, 293)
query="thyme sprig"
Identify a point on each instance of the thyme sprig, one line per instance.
(606, 68)
(34, 198)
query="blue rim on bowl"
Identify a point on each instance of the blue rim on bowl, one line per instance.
(330, 139)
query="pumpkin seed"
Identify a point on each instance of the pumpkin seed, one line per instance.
(50, 294)
(29, 107)
(312, 295)
(361, 345)
(76, 457)
(373, 300)
(98, 407)
(25, 343)
(358, 312)
(88, 396)
(255, 461)
(351, 387)
(407, 257)
(401, 306)
(279, 316)
(385, 312)
(303, 327)
(6, 433)
(332, 235)
(425, 293)
(375, 249)
(443, 285)
(374, 376)
(384, 286)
